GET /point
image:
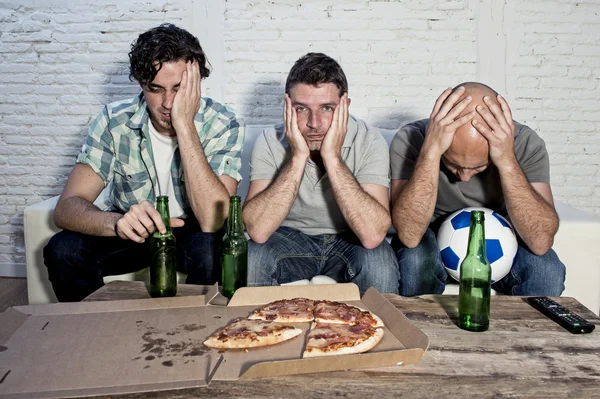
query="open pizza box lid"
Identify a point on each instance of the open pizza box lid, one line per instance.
(140, 345)
(104, 348)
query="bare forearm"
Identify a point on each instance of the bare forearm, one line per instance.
(208, 196)
(414, 207)
(367, 218)
(532, 216)
(264, 213)
(78, 214)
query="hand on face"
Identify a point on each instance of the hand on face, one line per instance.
(292, 132)
(444, 120)
(334, 138)
(187, 100)
(141, 221)
(501, 134)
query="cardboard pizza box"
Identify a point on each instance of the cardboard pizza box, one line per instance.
(125, 346)
(402, 343)
(103, 348)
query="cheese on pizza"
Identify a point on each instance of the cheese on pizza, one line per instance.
(342, 313)
(245, 333)
(297, 310)
(326, 339)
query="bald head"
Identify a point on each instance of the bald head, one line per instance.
(469, 149)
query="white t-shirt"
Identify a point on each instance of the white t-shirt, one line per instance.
(163, 148)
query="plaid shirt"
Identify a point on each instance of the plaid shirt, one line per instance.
(118, 149)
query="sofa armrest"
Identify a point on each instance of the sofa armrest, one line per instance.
(576, 244)
(39, 227)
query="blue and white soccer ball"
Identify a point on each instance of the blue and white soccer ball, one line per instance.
(500, 241)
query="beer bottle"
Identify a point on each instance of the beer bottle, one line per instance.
(234, 251)
(475, 280)
(163, 262)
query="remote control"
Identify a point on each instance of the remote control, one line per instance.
(561, 315)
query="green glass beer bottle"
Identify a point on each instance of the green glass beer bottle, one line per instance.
(475, 280)
(234, 251)
(163, 262)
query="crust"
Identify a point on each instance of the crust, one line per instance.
(242, 343)
(364, 346)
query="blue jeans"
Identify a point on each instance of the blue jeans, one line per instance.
(423, 272)
(289, 255)
(78, 262)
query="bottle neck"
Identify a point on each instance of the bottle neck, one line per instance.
(477, 237)
(162, 206)
(235, 225)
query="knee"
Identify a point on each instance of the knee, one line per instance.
(545, 274)
(424, 256)
(60, 250)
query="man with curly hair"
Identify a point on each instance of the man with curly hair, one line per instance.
(168, 140)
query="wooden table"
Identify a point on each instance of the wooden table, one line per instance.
(523, 354)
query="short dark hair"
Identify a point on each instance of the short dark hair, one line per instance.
(161, 44)
(314, 69)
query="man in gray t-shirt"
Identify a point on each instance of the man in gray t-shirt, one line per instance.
(318, 198)
(470, 153)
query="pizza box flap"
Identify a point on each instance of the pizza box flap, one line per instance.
(403, 342)
(104, 348)
(261, 295)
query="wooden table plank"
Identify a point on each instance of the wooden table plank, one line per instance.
(523, 354)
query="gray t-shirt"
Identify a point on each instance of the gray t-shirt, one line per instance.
(315, 211)
(483, 189)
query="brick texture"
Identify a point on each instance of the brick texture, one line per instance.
(60, 61)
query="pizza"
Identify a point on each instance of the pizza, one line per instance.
(337, 328)
(245, 333)
(297, 310)
(326, 339)
(342, 313)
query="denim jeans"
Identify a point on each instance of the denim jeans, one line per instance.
(78, 262)
(422, 271)
(289, 255)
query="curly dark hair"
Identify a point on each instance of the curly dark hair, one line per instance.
(314, 69)
(161, 44)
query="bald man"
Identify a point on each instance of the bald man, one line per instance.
(470, 152)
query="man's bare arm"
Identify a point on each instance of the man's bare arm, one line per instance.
(365, 207)
(75, 209)
(531, 209)
(269, 201)
(415, 199)
(530, 206)
(208, 194)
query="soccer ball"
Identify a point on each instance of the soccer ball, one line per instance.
(500, 241)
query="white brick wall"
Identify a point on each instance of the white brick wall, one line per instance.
(60, 61)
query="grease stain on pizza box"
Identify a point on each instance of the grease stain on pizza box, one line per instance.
(104, 348)
(140, 345)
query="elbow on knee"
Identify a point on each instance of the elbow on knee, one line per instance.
(257, 236)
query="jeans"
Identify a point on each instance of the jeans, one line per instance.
(289, 255)
(78, 262)
(422, 271)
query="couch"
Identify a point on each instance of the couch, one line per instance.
(576, 243)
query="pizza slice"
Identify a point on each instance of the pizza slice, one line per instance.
(244, 333)
(327, 339)
(297, 310)
(342, 313)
